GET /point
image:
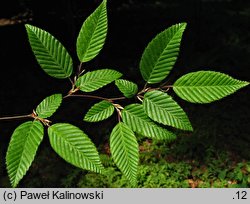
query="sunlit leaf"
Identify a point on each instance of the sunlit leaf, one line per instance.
(161, 54)
(22, 149)
(95, 80)
(100, 111)
(125, 150)
(128, 88)
(74, 146)
(92, 34)
(134, 116)
(206, 86)
(161, 108)
(49, 106)
(50, 53)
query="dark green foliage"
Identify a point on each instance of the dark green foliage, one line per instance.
(49, 106)
(128, 88)
(124, 150)
(50, 53)
(95, 80)
(150, 106)
(22, 149)
(74, 146)
(92, 34)
(100, 111)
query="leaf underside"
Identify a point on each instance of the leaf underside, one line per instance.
(50, 53)
(49, 106)
(100, 111)
(74, 146)
(92, 81)
(161, 54)
(92, 34)
(125, 150)
(134, 116)
(128, 88)
(206, 86)
(161, 108)
(22, 149)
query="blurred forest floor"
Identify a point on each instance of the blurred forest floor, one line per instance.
(216, 154)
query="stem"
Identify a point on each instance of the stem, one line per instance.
(16, 117)
(72, 83)
(80, 71)
(167, 86)
(86, 96)
(118, 114)
(94, 97)
(143, 90)
(115, 99)
(140, 98)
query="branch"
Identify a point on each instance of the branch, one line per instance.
(167, 86)
(119, 98)
(145, 89)
(94, 97)
(80, 70)
(16, 117)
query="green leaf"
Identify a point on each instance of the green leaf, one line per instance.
(161, 54)
(206, 86)
(161, 108)
(93, 34)
(94, 80)
(125, 150)
(134, 116)
(49, 106)
(100, 111)
(22, 149)
(128, 88)
(74, 146)
(50, 53)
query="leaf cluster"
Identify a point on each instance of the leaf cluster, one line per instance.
(150, 115)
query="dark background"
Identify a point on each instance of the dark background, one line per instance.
(217, 38)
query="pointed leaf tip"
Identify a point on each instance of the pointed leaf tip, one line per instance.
(161, 108)
(100, 111)
(74, 146)
(49, 106)
(128, 88)
(135, 117)
(22, 149)
(92, 81)
(161, 54)
(206, 86)
(93, 33)
(49, 52)
(125, 150)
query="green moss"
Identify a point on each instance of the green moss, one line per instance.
(161, 167)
